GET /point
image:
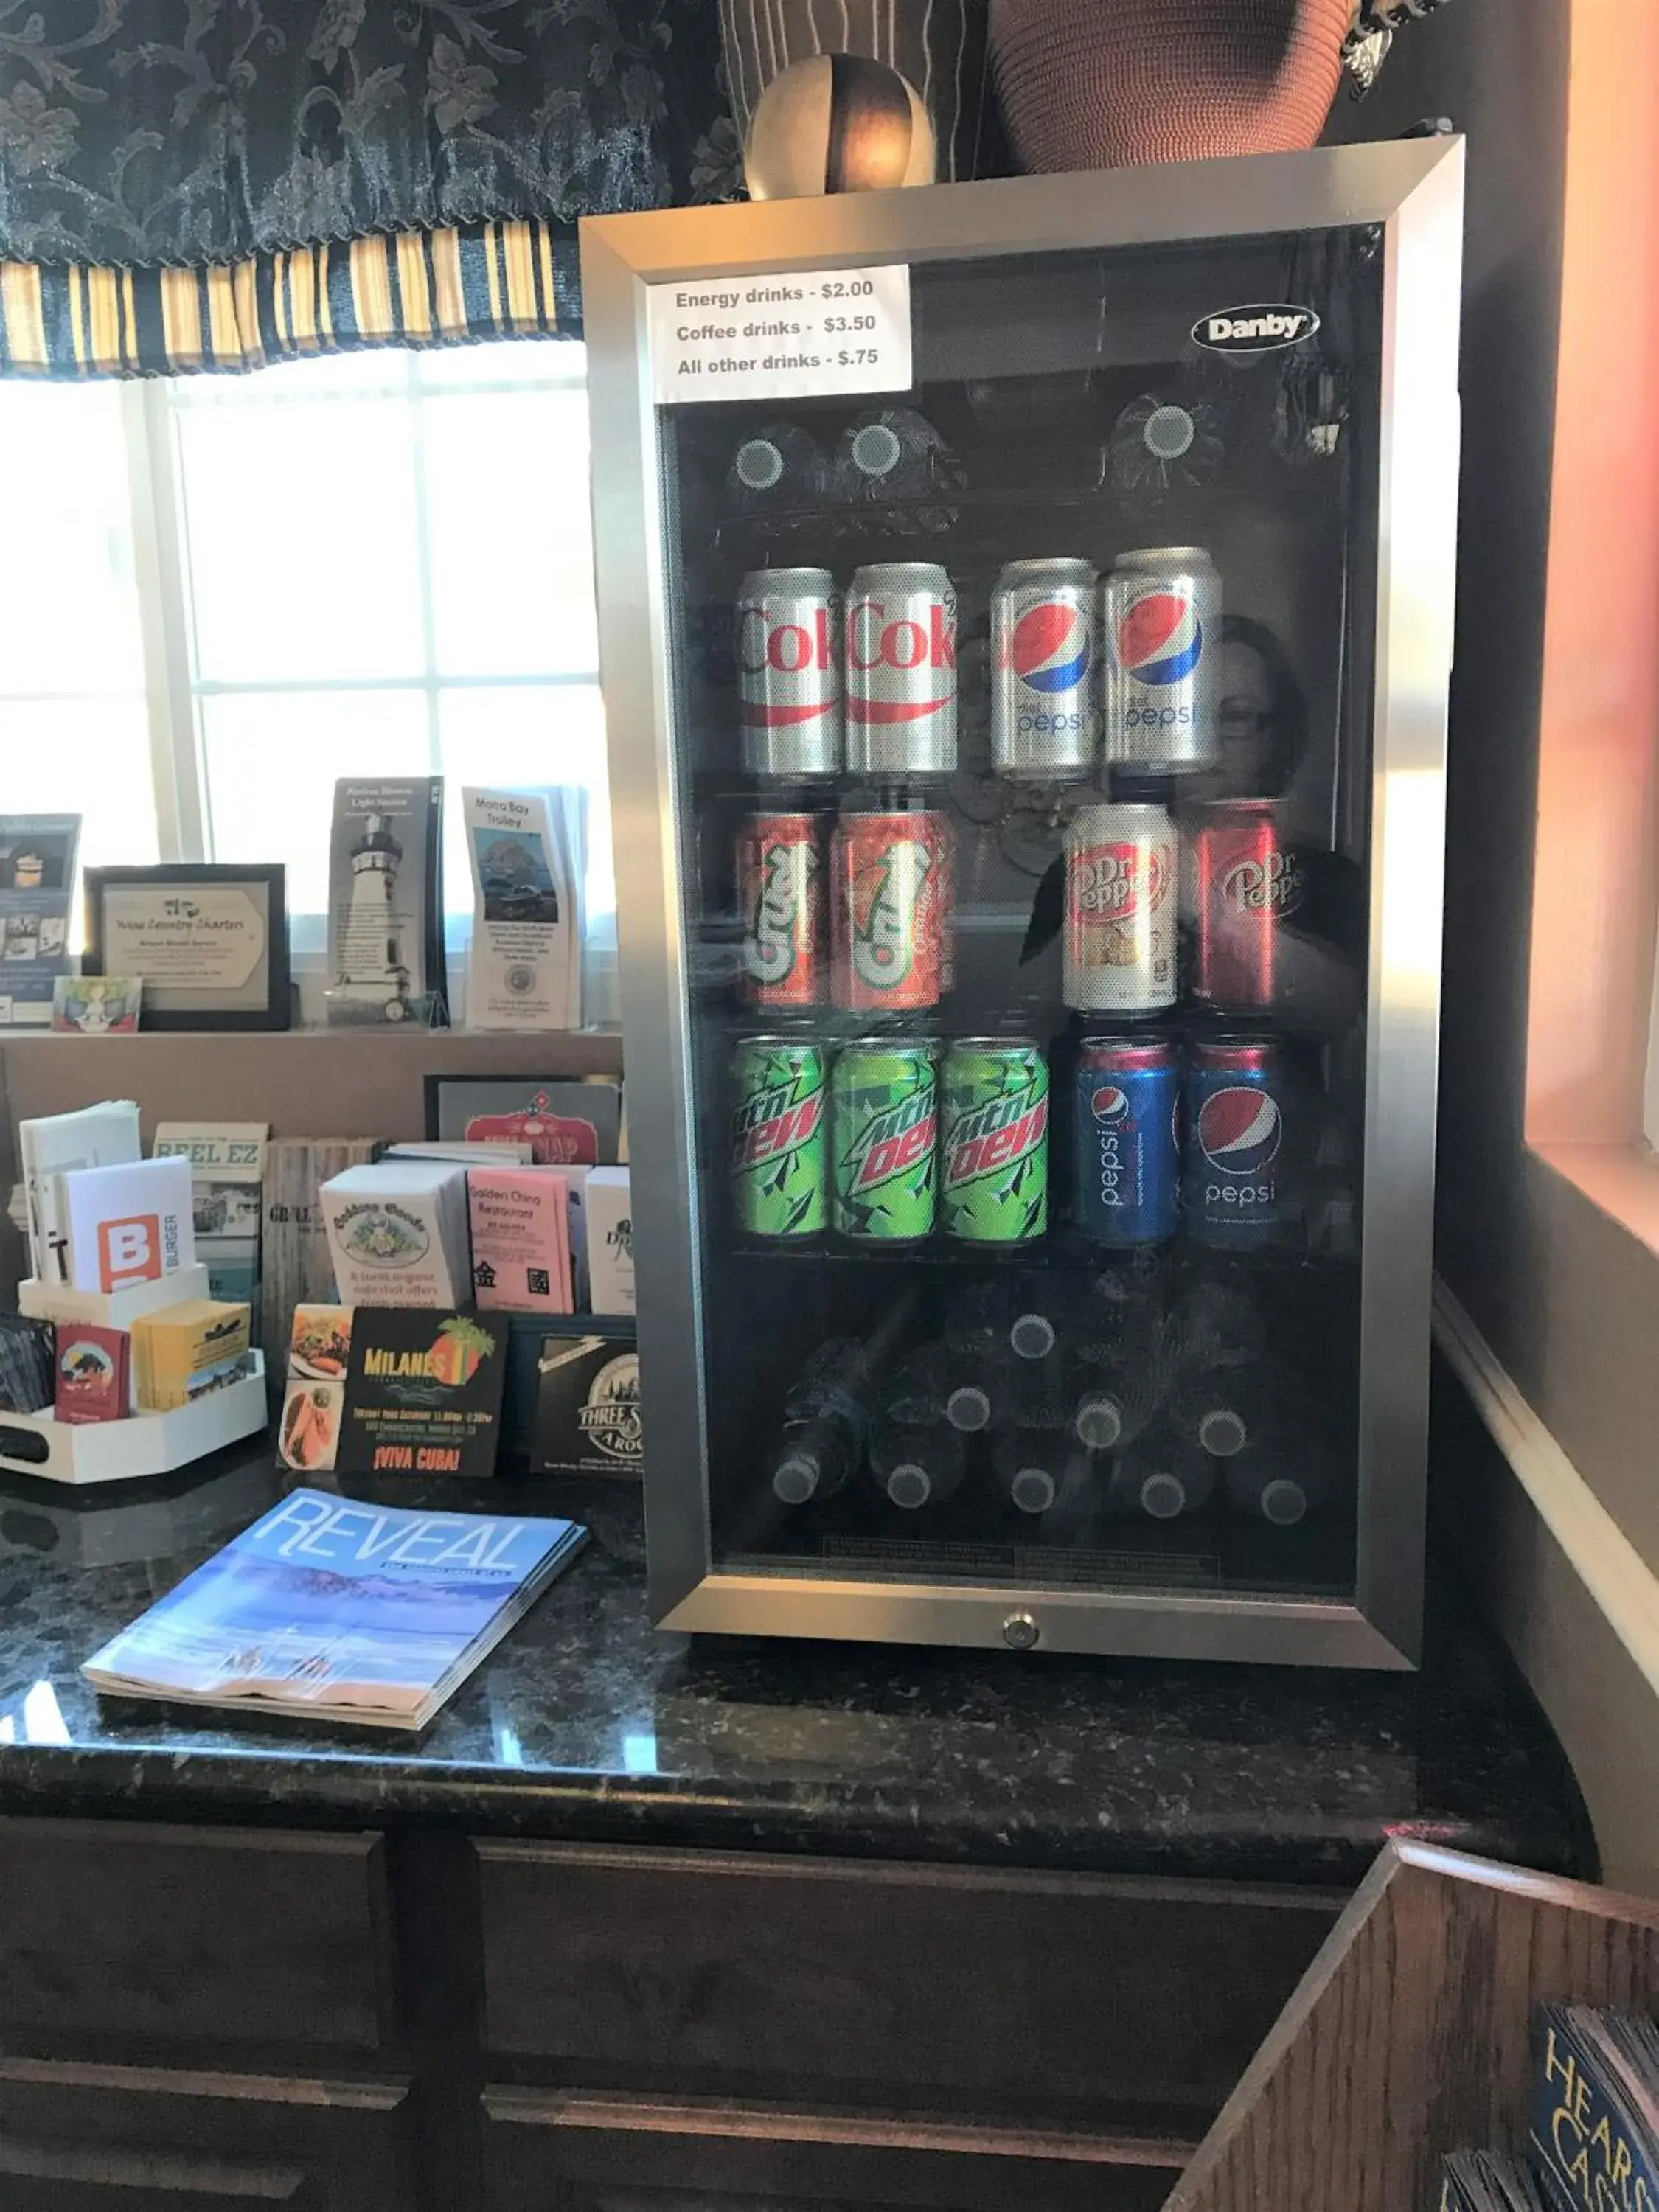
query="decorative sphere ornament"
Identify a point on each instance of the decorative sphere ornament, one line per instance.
(837, 123)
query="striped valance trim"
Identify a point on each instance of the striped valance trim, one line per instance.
(420, 288)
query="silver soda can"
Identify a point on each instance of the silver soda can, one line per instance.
(902, 671)
(788, 649)
(1160, 625)
(1044, 721)
(1121, 905)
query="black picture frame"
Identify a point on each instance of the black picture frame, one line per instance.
(270, 877)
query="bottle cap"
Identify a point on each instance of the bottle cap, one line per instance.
(1221, 1432)
(876, 449)
(759, 465)
(909, 1485)
(1032, 1335)
(1284, 1502)
(795, 1479)
(1163, 1497)
(968, 1408)
(1032, 1489)
(1098, 1422)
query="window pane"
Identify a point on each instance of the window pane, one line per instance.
(272, 759)
(304, 557)
(527, 734)
(506, 361)
(512, 551)
(69, 606)
(86, 757)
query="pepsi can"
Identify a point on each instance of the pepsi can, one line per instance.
(1126, 1149)
(1043, 717)
(1160, 619)
(789, 672)
(902, 671)
(1235, 1141)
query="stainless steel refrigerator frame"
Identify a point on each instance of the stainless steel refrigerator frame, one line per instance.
(1413, 188)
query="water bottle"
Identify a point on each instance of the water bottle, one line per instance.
(780, 466)
(988, 1396)
(825, 1420)
(1221, 1409)
(1214, 1327)
(916, 1391)
(1028, 1467)
(1162, 1478)
(1115, 1401)
(896, 458)
(1266, 1483)
(918, 1465)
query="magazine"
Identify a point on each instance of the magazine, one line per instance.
(333, 1609)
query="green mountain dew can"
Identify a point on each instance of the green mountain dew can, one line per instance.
(884, 1116)
(779, 1137)
(994, 1150)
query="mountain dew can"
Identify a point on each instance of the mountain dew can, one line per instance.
(884, 1117)
(995, 1144)
(779, 1155)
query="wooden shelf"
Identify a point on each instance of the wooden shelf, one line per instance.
(1410, 2034)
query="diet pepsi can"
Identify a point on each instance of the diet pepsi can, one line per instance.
(1160, 620)
(1234, 1137)
(902, 671)
(1043, 717)
(1126, 1149)
(789, 646)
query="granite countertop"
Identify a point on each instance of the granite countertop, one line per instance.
(587, 1724)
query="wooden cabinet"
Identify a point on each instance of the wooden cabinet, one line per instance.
(85, 2138)
(570, 2152)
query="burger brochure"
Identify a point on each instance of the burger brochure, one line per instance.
(528, 852)
(55, 1145)
(327, 1609)
(37, 883)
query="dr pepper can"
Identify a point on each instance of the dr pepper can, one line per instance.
(1119, 934)
(1246, 882)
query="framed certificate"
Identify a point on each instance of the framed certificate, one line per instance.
(211, 943)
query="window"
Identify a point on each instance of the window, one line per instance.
(227, 592)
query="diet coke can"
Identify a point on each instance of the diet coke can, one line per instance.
(1160, 619)
(789, 672)
(1120, 910)
(1043, 721)
(902, 671)
(781, 897)
(1246, 882)
(890, 902)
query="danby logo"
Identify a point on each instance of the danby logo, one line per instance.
(774, 1121)
(1239, 1130)
(771, 948)
(128, 1252)
(994, 1136)
(1260, 328)
(885, 902)
(894, 1141)
(1272, 885)
(1113, 883)
(1047, 648)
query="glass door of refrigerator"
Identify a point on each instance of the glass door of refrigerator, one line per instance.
(1025, 746)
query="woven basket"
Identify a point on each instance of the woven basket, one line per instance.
(937, 45)
(1105, 84)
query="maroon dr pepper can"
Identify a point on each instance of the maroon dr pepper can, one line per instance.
(1246, 882)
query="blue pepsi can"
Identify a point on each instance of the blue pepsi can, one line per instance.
(1234, 1137)
(1126, 1154)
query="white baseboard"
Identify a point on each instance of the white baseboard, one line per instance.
(1605, 1561)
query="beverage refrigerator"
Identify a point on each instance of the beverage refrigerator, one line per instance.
(1026, 617)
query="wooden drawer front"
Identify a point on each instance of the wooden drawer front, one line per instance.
(1024, 1993)
(625, 2155)
(111, 1929)
(128, 2138)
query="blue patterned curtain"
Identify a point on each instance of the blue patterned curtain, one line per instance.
(222, 135)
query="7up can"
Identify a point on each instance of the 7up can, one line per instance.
(780, 1154)
(995, 1151)
(891, 890)
(885, 1122)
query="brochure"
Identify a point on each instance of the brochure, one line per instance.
(37, 883)
(332, 1610)
(422, 1392)
(386, 904)
(528, 855)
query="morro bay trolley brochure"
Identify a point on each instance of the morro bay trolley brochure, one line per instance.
(337, 1611)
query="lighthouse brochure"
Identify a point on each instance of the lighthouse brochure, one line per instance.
(385, 903)
(331, 1610)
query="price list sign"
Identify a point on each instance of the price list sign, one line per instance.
(782, 336)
